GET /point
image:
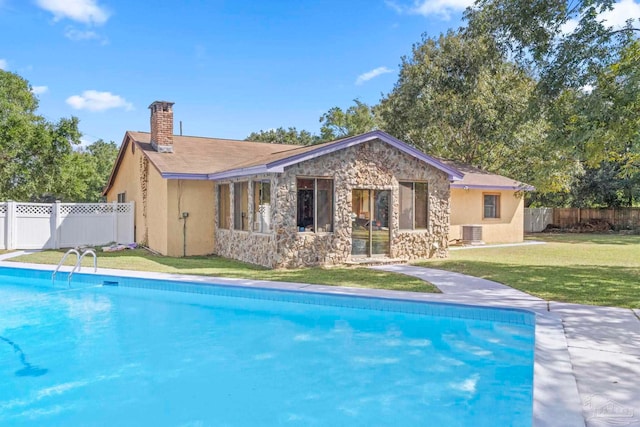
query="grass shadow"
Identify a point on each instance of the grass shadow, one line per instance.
(578, 238)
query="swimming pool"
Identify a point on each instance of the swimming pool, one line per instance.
(131, 352)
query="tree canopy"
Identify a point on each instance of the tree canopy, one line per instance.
(41, 160)
(457, 97)
(85, 172)
(358, 118)
(565, 43)
(284, 136)
(32, 149)
(336, 123)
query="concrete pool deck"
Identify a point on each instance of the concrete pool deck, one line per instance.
(587, 358)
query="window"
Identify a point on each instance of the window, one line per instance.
(241, 206)
(491, 206)
(223, 206)
(261, 206)
(414, 205)
(315, 204)
(122, 197)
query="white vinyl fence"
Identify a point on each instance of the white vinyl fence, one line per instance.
(64, 225)
(537, 219)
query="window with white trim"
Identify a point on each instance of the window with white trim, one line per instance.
(122, 197)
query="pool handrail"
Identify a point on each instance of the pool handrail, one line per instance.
(70, 251)
(78, 265)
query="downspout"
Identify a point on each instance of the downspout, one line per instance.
(185, 215)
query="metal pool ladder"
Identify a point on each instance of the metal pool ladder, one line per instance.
(78, 265)
(70, 251)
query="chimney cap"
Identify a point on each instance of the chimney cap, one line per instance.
(168, 103)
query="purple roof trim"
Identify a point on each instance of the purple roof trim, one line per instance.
(191, 176)
(235, 173)
(523, 187)
(454, 174)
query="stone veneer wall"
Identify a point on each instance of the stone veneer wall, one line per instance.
(248, 246)
(372, 165)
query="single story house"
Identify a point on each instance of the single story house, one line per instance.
(285, 206)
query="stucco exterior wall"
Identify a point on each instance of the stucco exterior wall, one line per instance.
(373, 165)
(143, 184)
(467, 209)
(128, 181)
(156, 210)
(159, 204)
(196, 198)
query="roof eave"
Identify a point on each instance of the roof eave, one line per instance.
(454, 174)
(238, 173)
(187, 176)
(522, 187)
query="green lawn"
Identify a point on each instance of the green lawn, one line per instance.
(579, 268)
(142, 260)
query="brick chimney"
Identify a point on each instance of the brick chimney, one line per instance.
(162, 126)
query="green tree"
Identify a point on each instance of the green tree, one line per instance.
(284, 136)
(457, 97)
(358, 118)
(103, 156)
(604, 187)
(32, 149)
(85, 171)
(602, 125)
(566, 43)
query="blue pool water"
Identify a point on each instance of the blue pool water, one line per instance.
(158, 353)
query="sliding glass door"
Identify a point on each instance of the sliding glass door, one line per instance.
(370, 222)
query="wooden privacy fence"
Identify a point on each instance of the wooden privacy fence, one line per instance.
(618, 218)
(536, 219)
(64, 225)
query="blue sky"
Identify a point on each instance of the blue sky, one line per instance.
(231, 67)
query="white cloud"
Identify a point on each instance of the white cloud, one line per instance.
(364, 77)
(441, 8)
(86, 11)
(93, 100)
(621, 12)
(79, 35)
(74, 34)
(39, 90)
(616, 17)
(3, 64)
(393, 5)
